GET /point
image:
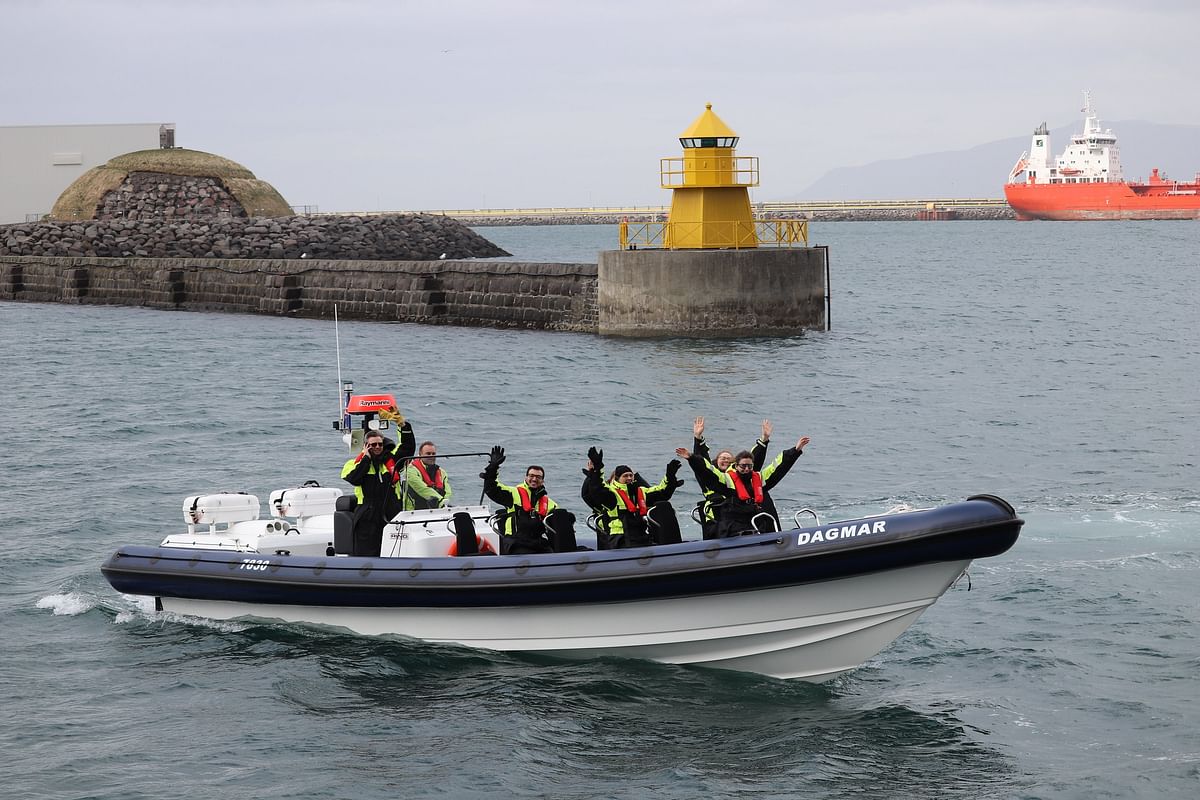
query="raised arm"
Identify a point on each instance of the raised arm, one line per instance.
(707, 475)
(407, 444)
(665, 488)
(783, 462)
(759, 451)
(355, 470)
(594, 491)
(491, 485)
(698, 444)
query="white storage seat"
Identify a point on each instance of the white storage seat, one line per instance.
(221, 508)
(304, 501)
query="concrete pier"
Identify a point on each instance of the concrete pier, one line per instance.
(712, 293)
(636, 293)
(556, 297)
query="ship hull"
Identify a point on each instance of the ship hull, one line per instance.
(1094, 201)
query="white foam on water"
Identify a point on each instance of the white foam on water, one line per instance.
(141, 608)
(71, 604)
(221, 625)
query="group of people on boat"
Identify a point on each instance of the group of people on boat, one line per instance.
(625, 509)
(392, 476)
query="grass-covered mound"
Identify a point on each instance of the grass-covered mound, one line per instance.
(91, 195)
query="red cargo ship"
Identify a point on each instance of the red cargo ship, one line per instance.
(1086, 181)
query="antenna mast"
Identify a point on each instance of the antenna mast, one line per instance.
(342, 423)
(337, 343)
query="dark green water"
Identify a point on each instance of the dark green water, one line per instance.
(1056, 365)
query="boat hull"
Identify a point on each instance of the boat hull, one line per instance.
(1103, 201)
(809, 603)
(811, 631)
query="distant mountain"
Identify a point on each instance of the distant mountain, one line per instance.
(982, 171)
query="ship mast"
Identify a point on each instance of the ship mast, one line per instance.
(1091, 123)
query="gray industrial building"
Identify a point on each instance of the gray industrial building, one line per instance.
(37, 162)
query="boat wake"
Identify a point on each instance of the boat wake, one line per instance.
(71, 604)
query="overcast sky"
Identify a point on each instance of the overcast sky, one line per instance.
(393, 105)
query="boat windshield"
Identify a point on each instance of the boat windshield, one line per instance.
(428, 458)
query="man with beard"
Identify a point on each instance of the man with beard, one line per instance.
(426, 483)
(374, 474)
(531, 522)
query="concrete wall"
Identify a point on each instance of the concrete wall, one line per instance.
(37, 162)
(718, 293)
(469, 293)
(696, 293)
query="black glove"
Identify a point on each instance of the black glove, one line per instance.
(673, 467)
(497, 457)
(597, 458)
(676, 483)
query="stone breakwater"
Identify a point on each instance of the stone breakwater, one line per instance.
(847, 215)
(470, 293)
(390, 237)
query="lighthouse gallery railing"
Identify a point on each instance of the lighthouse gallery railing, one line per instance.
(735, 235)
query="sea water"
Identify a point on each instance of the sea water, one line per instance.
(1054, 364)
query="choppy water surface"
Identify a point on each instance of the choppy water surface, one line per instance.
(1053, 364)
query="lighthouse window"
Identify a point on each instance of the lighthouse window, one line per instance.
(709, 141)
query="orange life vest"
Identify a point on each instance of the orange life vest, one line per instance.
(389, 467)
(640, 507)
(437, 482)
(543, 506)
(756, 483)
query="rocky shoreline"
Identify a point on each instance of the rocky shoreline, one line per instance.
(841, 215)
(384, 237)
(390, 237)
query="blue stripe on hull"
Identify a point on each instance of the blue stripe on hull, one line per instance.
(977, 528)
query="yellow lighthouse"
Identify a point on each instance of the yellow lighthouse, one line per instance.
(711, 269)
(710, 204)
